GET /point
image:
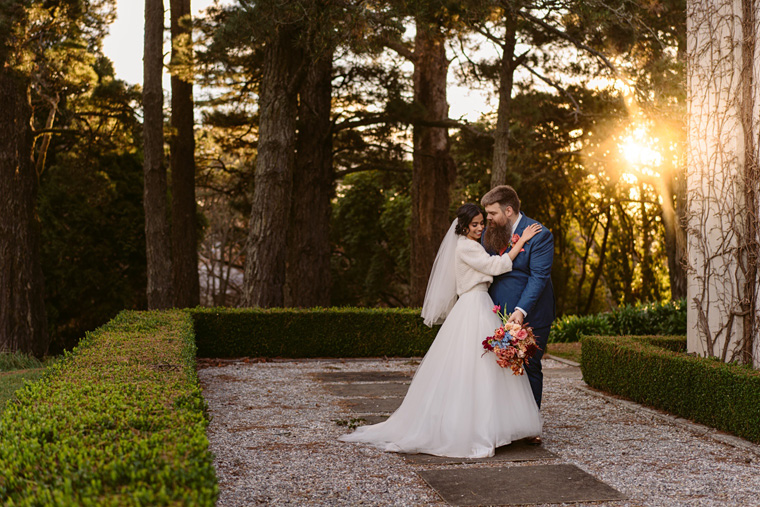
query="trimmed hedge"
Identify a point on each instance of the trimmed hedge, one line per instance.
(640, 319)
(120, 421)
(315, 332)
(655, 371)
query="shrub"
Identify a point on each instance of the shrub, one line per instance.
(650, 319)
(120, 421)
(570, 328)
(316, 332)
(640, 319)
(655, 371)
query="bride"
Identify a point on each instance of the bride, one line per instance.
(460, 402)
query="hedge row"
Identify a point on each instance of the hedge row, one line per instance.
(315, 332)
(640, 319)
(120, 421)
(655, 371)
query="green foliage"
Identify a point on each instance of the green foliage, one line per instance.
(93, 248)
(570, 328)
(656, 371)
(10, 382)
(653, 318)
(120, 421)
(91, 212)
(370, 231)
(317, 332)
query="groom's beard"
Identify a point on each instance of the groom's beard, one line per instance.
(496, 238)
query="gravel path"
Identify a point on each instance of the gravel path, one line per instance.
(274, 431)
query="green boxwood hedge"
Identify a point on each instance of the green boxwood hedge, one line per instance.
(656, 371)
(640, 319)
(120, 421)
(314, 332)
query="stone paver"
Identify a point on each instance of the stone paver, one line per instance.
(363, 376)
(518, 485)
(372, 419)
(514, 452)
(372, 390)
(372, 405)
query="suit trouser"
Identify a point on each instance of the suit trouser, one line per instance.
(533, 368)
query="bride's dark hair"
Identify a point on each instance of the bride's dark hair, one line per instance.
(465, 214)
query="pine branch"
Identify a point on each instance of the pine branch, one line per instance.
(550, 82)
(399, 47)
(556, 31)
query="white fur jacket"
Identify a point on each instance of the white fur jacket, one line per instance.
(475, 266)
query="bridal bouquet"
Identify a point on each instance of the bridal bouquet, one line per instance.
(514, 344)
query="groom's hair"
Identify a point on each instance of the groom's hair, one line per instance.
(504, 195)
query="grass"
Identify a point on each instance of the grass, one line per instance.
(10, 361)
(570, 350)
(15, 369)
(10, 382)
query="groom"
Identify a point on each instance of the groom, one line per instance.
(526, 291)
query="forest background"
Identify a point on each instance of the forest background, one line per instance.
(343, 198)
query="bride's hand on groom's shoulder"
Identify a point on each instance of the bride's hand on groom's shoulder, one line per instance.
(531, 231)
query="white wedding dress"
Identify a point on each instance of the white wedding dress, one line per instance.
(460, 402)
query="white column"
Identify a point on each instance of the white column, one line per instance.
(717, 204)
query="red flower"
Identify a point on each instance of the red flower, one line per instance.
(514, 240)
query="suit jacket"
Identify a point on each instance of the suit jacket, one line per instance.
(529, 284)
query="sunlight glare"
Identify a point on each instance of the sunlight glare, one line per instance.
(635, 148)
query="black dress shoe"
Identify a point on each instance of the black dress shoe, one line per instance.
(534, 441)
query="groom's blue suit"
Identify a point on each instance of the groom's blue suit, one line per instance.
(529, 286)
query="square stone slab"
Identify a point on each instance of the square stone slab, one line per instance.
(374, 389)
(373, 405)
(518, 485)
(363, 376)
(373, 419)
(516, 451)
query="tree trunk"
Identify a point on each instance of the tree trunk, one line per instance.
(268, 230)
(675, 236)
(600, 265)
(157, 237)
(433, 168)
(504, 114)
(307, 280)
(184, 227)
(23, 321)
(649, 290)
